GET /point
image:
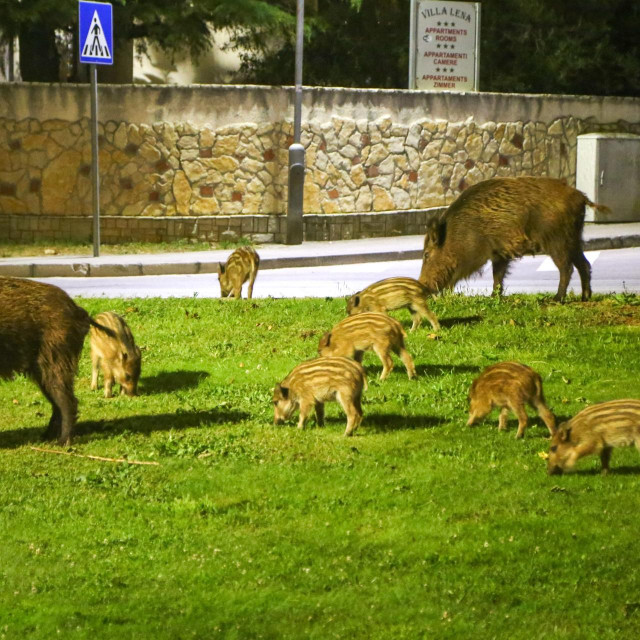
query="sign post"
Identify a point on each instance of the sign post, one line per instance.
(446, 53)
(95, 20)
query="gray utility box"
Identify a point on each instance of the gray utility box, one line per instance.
(608, 172)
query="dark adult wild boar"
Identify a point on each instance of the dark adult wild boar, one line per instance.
(502, 219)
(41, 334)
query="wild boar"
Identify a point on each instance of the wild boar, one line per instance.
(41, 335)
(118, 354)
(509, 385)
(314, 382)
(502, 219)
(242, 265)
(376, 332)
(394, 293)
(595, 430)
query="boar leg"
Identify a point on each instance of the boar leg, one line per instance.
(500, 267)
(418, 311)
(109, 380)
(584, 269)
(387, 362)
(320, 414)
(547, 417)
(252, 279)
(565, 267)
(502, 420)
(605, 456)
(305, 410)
(65, 408)
(95, 363)
(407, 360)
(523, 419)
(353, 409)
(55, 422)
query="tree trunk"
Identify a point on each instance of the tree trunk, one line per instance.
(39, 58)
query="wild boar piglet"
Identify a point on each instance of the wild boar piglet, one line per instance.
(314, 382)
(509, 386)
(376, 332)
(596, 430)
(117, 354)
(394, 293)
(242, 265)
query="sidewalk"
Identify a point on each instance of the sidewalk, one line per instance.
(273, 256)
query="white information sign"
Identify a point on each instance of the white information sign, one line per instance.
(447, 45)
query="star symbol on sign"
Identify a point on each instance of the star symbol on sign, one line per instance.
(450, 70)
(439, 23)
(446, 24)
(438, 46)
(438, 69)
(444, 45)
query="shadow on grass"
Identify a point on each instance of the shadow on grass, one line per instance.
(145, 424)
(613, 471)
(395, 422)
(452, 322)
(441, 369)
(168, 381)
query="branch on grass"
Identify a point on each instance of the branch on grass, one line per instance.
(102, 458)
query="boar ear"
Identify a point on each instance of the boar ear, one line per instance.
(325, 341)
(125, 355)
(220, 267)
(564, 432)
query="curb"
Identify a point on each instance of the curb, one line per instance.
(111, 270)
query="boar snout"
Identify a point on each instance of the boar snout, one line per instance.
(554, 470)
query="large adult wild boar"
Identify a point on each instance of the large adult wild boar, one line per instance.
(41, 335)
(502, 219)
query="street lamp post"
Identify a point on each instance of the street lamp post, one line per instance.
(296, 150)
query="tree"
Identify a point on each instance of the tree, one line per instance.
(544, 46)
(173, 26)
(349, 43)
(536, 46)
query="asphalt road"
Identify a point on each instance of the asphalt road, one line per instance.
(613, 271)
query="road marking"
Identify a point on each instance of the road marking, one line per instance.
(548, 265)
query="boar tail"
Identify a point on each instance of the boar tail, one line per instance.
(110, 332)
(598, 207)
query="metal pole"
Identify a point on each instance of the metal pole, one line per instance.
(477, 61)
(95, 176)
(297, 112)
(295, 202)
(412, 44)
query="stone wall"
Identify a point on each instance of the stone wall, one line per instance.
(171, 156)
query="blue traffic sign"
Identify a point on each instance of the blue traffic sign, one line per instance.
(95, 20)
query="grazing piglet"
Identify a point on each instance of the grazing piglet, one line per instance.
(595, 430)
(509, 385)
(502, 219)
(41, 334)
(394, 293)
(242, 265)
(314, 382)
(377, 332)
(118, 355)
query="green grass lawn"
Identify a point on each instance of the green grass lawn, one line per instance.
(417, 527)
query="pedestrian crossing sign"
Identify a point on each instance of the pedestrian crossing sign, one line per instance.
(95, 20)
